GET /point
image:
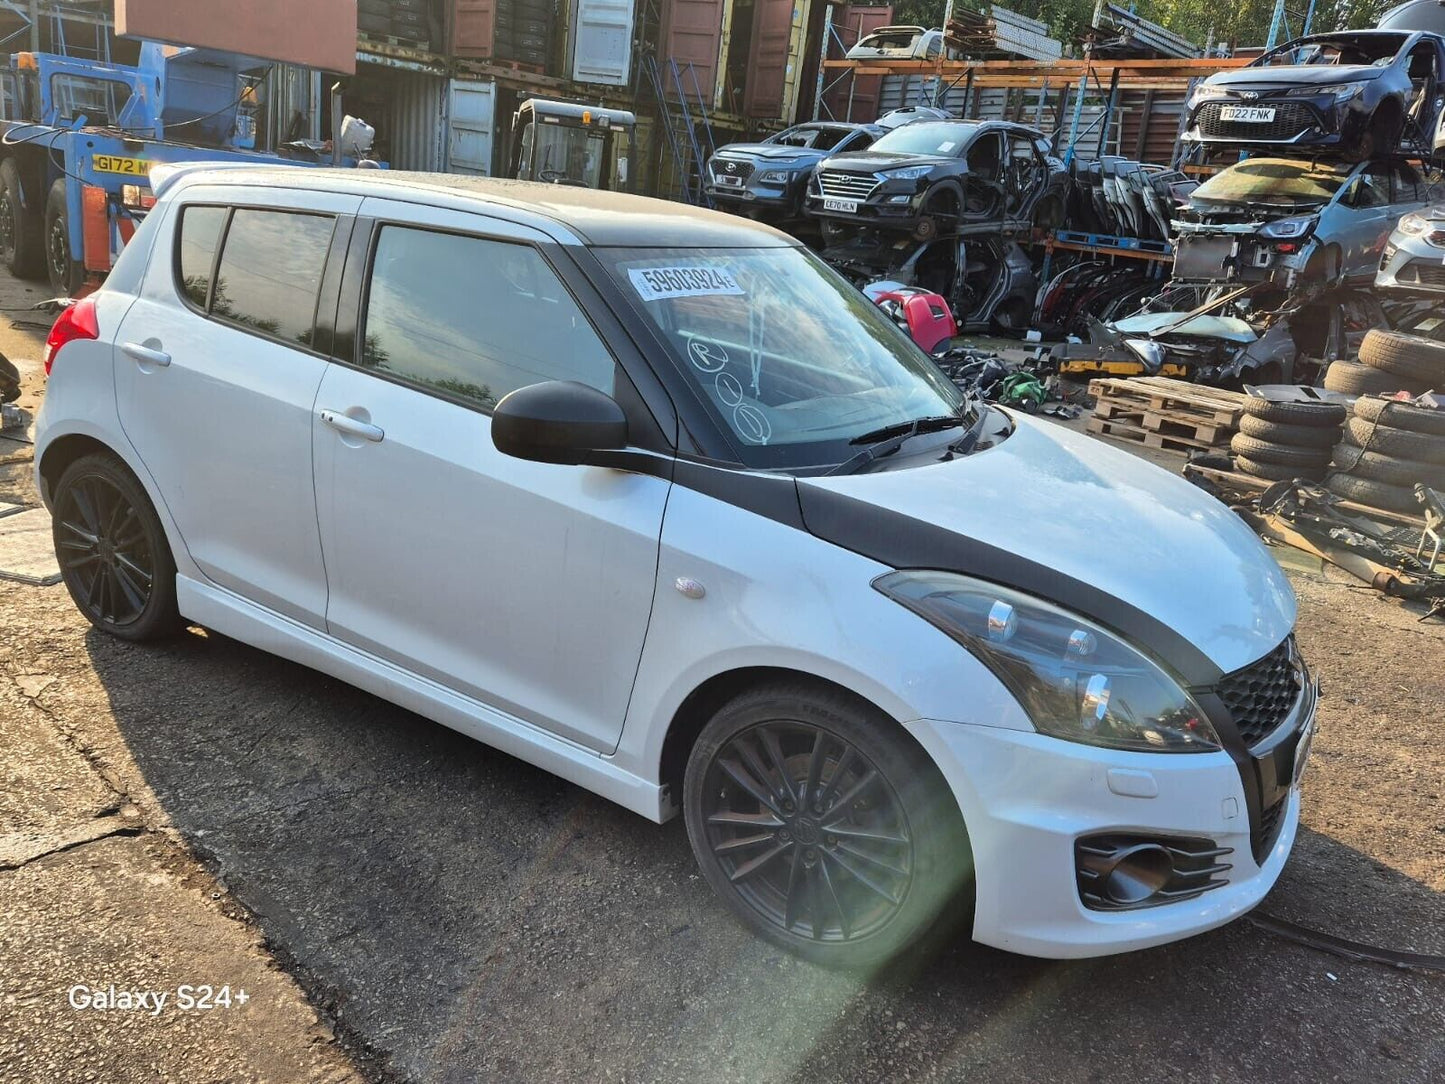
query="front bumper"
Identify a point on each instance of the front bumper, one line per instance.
(1027, 797)
(1412, 267)
(1299, 121)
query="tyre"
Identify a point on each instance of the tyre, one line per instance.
(1413, 357)
(1296, 436)
(374, 24)
(22, 233)
(1397, 443)
(1384, 468)
(1263, 451)
(1400, 415)
(1375, 494)
(1352, 378)
(112, 551)
(1312, 414)
(66, 275)
(1278, 472)
(821, 826)
(374, 7)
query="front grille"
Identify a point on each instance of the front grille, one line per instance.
(1260, 696)
(1425, 272)
(1290, 119)
(847, 185)
(1263, 838)
(1187, 867)
(741, 170)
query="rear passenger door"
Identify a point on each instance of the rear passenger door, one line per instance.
(526, 586)
(216, 375)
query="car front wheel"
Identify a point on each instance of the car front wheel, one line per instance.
(823, 826)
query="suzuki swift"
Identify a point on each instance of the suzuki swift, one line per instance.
(649, 497)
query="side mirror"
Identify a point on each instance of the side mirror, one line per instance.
(559, 421)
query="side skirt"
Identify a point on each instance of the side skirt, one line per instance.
(234, 616)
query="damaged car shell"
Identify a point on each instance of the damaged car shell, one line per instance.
(1287, 221)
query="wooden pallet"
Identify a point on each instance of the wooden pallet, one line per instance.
(1171, 415)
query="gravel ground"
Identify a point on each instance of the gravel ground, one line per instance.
(199, 811)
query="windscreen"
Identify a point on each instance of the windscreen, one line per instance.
(795, 362)
(1361, 49)
(1274, 181)
(926, 137)
(818, 139)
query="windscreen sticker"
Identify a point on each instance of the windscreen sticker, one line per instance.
(946, 147)
(661, 283)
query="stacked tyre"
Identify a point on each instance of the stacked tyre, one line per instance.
(1390, 362)
(1283, 441)
(522, 31)
(1389, 447)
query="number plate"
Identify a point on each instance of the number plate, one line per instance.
(1247, 114)
(111, 163)
(846, 206)
(730, 182)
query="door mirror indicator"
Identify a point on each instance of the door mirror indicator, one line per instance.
(558, 421)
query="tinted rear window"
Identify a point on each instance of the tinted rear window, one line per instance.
(270, 271)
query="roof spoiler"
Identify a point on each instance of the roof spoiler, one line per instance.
(164, 176)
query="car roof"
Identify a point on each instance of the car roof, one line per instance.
(569, 214)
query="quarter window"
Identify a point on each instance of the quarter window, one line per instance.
(200, 237)
(474, 318)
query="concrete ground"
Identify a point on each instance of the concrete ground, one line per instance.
(401, 903)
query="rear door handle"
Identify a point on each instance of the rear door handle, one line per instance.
(146, 354)
(351, 427)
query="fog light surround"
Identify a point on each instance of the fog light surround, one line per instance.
(1117, 872)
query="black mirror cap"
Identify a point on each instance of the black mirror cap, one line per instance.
(558, 421)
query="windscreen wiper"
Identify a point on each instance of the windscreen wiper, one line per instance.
(889, 438)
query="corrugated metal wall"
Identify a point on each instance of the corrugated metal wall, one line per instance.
(414, 121)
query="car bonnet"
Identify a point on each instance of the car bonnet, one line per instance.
(1092, 528)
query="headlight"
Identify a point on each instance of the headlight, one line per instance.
(1147, 351)
(1412, 225)
(1076, 680)
(1282, 228)
(1206, 92)
(774, 176)
(908, 173)
(1339, 91)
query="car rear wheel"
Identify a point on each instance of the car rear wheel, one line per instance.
(822, 826)
(112, 551)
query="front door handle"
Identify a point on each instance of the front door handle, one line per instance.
(145, 354)
(351, 427)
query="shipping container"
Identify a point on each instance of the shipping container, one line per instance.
(423, 119)
(520, 31)
(599, 41)
(691, 36)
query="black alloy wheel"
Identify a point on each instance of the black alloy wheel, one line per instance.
(821, 825)
(112, 551)
(809, 832)
(8, 233)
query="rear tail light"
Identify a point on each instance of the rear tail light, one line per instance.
(76, 322)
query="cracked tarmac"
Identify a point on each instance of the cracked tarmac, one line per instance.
(403, 904)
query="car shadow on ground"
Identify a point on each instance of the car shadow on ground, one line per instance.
(471, 917)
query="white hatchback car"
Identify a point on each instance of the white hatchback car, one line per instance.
(650, 497)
